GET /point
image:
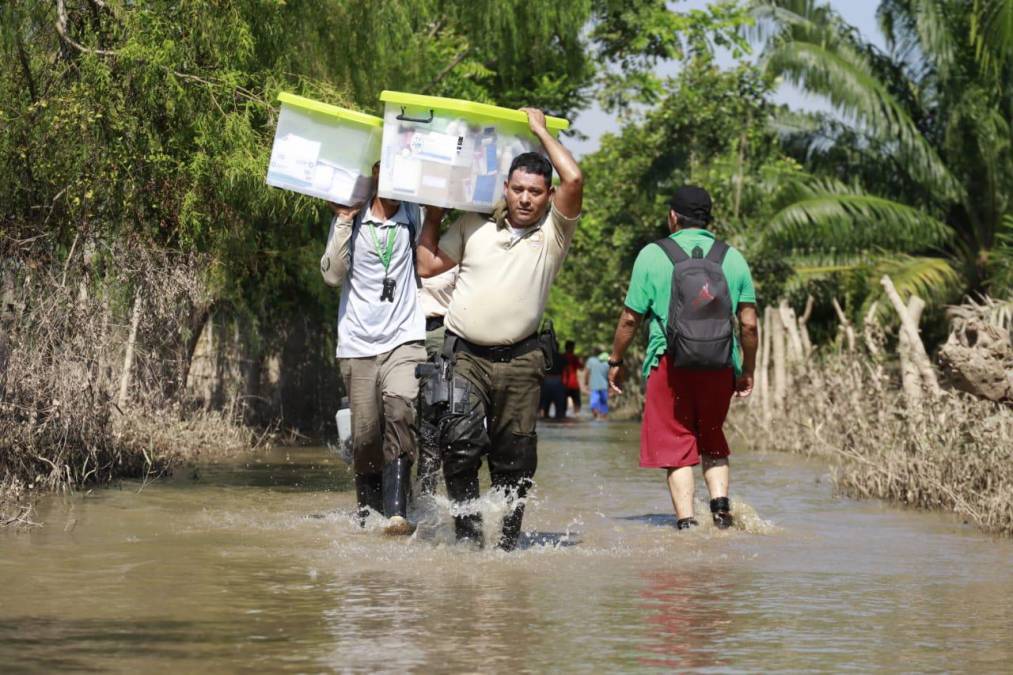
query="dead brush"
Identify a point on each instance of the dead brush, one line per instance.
(952, 453)
(73, 410)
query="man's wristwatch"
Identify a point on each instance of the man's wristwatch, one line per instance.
(615, 364)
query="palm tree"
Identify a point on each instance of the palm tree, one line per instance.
(915, 164)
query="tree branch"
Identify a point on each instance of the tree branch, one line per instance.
(61, 28)
(449, 67)
(23, 58)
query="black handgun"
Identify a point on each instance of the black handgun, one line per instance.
(437, 381)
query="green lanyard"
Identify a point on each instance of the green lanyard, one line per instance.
(384, 255)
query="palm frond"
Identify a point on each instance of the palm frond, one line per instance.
(810, 132)
(918, 31)
(843, 76)
(1000, 272)
(992, 33)
(932, 279)
(827, 215)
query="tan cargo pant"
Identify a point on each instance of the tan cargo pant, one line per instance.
(382, 391)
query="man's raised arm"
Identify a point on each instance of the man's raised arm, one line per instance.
(569, 195)
(430, 259)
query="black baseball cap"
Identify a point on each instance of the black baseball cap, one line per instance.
(692, 201)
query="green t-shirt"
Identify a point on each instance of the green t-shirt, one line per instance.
(651, 286)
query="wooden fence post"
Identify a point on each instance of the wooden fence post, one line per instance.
(128, 357)
(849, 330)
(807, 345)
(796, 353)
(778, 361)
(910, 377)
(909, 326)
(764, 385)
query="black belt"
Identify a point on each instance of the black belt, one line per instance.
(433, 322)
(497, 354)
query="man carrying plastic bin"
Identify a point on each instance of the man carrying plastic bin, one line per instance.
(381, 333)
(507, 263)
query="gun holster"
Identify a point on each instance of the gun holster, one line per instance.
(549, 345)
(436, 386)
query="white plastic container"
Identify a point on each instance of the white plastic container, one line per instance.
(343, 418)
(451, 153)
(324, 151)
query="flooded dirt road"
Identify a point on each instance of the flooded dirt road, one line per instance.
(255, 564)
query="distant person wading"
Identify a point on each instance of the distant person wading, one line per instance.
(690, 286)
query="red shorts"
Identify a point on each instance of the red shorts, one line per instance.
(684, 415)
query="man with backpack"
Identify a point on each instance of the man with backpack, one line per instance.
(381, 331)
(691, 287)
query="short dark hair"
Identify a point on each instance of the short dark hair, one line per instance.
(570, 344)
(532, 162)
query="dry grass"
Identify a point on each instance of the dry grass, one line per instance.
(62, 347)
(954, 454)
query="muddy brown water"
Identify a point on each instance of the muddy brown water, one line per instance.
(255, 565)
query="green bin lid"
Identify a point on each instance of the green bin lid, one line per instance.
(328, 109)
(554, 124)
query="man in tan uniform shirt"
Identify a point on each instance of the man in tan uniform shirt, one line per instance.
(507, 264)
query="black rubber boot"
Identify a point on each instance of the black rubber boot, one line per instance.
(721, 513)
(465, 489)
(396, 483)
(511, 529)
(517, 490)
(686, 523)
(368, 494)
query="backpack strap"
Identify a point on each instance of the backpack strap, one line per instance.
(718, 251)
(414, 216)
(356, 224)
(673, 250)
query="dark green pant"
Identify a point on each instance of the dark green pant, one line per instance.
(430, 456)
(507, 395)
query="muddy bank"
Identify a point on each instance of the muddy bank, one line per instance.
(117, 362)
(953, 453)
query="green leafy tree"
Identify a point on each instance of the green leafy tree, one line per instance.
(914, 170)
(712, 129)
(151, 123)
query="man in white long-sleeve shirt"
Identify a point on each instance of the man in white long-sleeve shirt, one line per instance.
(381, 333)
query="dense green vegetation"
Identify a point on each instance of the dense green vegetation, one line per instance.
(135, 137)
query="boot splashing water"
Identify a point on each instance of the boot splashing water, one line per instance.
(396, 482)
(721, 513)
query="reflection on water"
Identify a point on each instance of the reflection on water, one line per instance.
(257, 564)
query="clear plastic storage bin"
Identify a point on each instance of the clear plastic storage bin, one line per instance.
(324, 151)
(451, 153)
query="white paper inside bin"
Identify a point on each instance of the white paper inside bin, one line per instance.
(323, 156)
